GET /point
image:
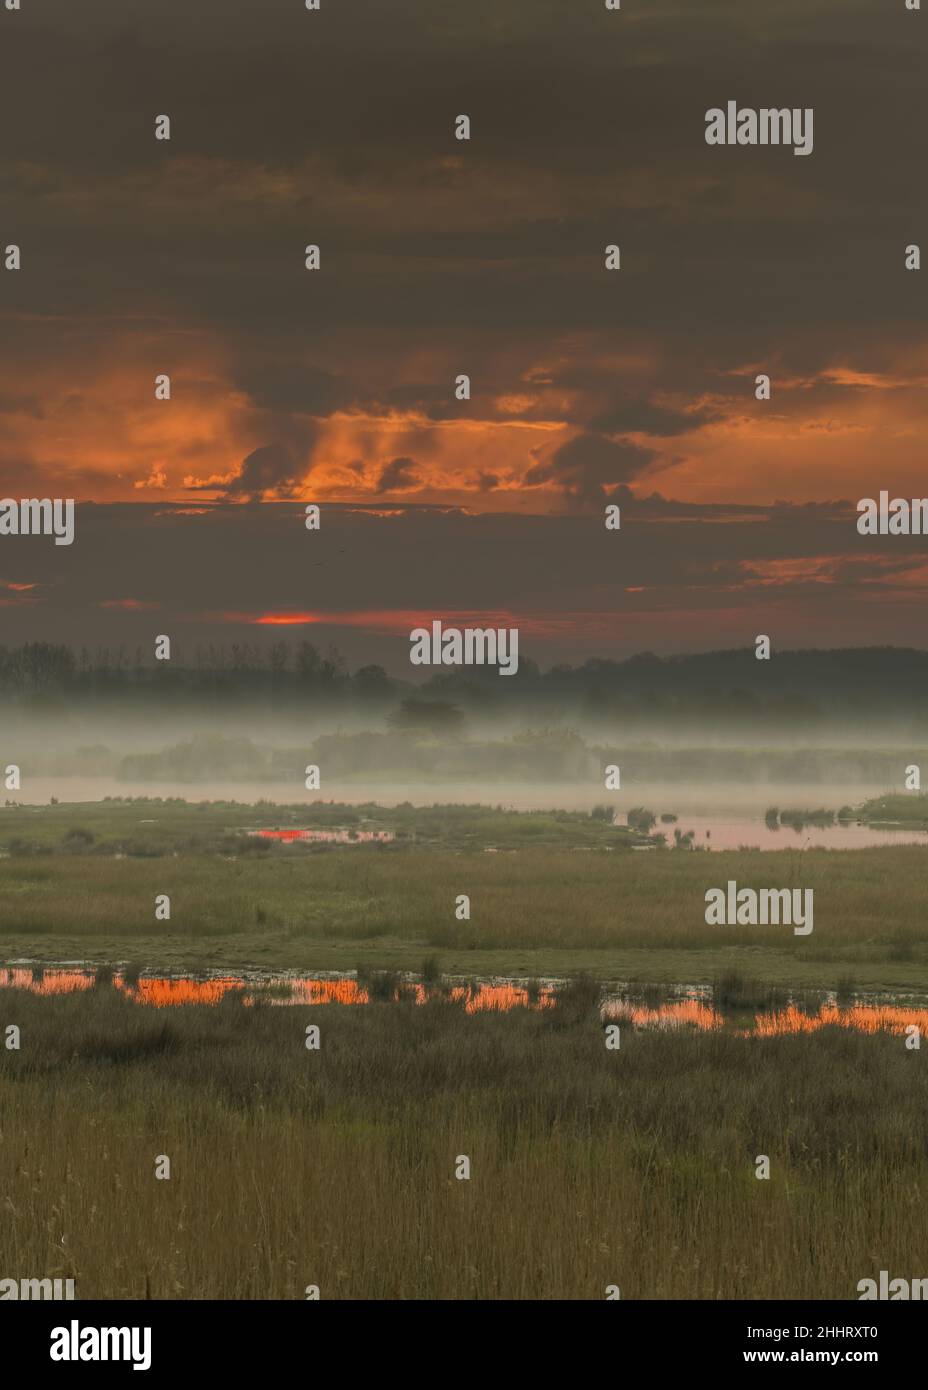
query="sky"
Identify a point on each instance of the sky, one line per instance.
(441, 257)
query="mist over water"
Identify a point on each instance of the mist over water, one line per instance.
(721, 816)
(719, 800)
(711, 744)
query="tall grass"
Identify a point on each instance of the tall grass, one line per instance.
(732, 991)
(336, 1167)
(527, 899)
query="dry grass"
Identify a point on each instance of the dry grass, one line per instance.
(293, 1167)
(528, 898)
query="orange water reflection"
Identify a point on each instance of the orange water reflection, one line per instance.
(330, 837)
(694, 1011)
(46, 981)
(866, 1018)
(170, 991)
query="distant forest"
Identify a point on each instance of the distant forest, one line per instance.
(810, 687)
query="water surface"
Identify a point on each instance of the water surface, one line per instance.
(688, 1007)
(717, 832)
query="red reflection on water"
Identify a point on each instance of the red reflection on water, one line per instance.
(161, 992)
(164, 993)
(334, 837)
(866, 1018)
(168, 992)
(47, 981)
(683, 1013)
(475, 1000)
(693, 1013)
(313, 991)
(503, 997)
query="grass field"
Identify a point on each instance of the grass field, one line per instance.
(898, 809)
(561, 893)
(149, 827)
(335, 1167)
(590, 1167)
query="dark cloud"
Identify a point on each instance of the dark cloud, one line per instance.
(439, 258)
(398, 476)
(271, 468)
(675, 577)
(588, 126)
(13, 404)
(644, 417)
(285, 385)
(584, 467)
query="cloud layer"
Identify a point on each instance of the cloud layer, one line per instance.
(486, 257)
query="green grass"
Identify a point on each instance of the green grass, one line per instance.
(536, 909)
(152, 827)
(562, 894)
(589, 1167)
(909, 809)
